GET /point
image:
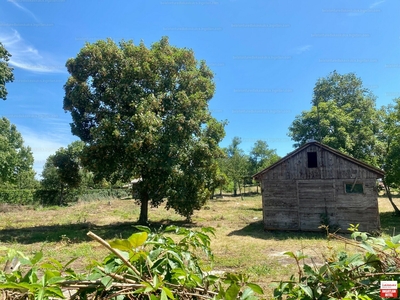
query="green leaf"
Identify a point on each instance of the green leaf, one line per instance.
(168, 292)
(367, 247)
(142, 228)
(13, 285)
(137, 239)
(38, 256)
(55, 291)
(396, 239)
(391, 245)
(69, 262)
(40, 294)
(290, 254)
(107, 281)
(307, 290)
(232, 292)
(208, 230)
(123, 245)
(58, 265)
(255, 288)
(54, 280)
(248, 294)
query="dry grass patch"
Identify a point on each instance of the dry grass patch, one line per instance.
(240, 243)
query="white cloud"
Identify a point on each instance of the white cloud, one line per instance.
(371, 9)
(376, 3)
(26, 56)
(302, 49)
(25, 10)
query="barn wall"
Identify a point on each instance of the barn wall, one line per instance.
(296, 196)
(280, 207)
(358, 208)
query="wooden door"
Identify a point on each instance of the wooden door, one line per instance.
(316, 201)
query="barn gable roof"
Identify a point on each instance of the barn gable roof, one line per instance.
(375, 170)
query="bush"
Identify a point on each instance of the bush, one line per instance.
(100, 194)
(147, 265)
(344, 275)
(11, 196)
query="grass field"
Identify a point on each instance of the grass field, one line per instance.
(240, 243)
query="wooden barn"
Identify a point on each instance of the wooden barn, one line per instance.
(317, 184)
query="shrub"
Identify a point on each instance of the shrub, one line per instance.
(148, 265)
(344, 275)
(13, 196)
(99, 194)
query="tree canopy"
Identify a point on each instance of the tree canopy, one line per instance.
(6, 72)
(143, 114)
(390, 137)
(235, 164)
(343, 116)
(16, 160)
(261, 156)
(62, 170)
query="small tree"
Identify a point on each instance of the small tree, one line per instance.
(16, 160)
(62, 170)
(235, 164)
(261, 157)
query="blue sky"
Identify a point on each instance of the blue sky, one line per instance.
(266, 55)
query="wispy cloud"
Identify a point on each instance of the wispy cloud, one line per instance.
(371, 9)
(26, 56)
(24, 9)
(302, 49)
(376, 3)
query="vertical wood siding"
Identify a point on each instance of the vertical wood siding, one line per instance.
(296, 196)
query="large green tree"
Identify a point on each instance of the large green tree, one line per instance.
(343, 116)
(6, 72)
(143, 113)
(389, 156)
(16, 160)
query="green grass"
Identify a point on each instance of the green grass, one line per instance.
(240, 244)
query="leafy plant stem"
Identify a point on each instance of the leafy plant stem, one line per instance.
(105, 244)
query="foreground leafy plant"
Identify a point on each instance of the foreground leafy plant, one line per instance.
(344, 275)
(41, 278)
(161, 265)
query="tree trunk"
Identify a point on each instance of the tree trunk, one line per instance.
(144, 209)
(234, 189)
(389, 194)
(240, 191)
(61, 194)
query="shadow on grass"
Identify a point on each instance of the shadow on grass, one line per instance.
(77, 233)
(256, 230)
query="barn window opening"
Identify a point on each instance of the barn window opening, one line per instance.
(312, 159)
(357, 188)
